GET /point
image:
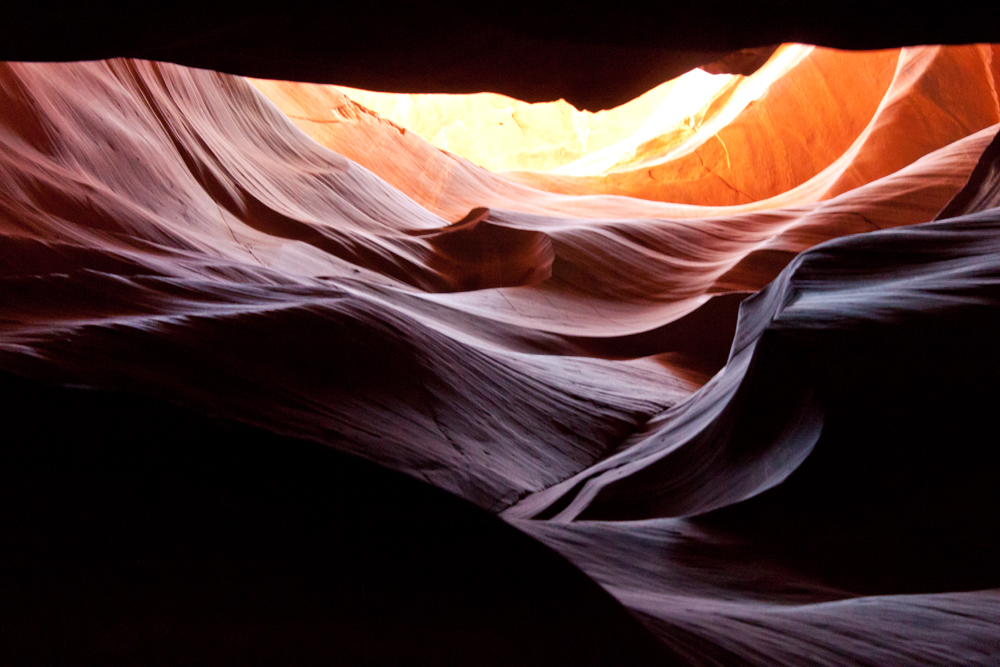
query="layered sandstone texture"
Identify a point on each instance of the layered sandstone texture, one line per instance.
(729, 349)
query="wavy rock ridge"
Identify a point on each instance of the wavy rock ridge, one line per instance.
(762, 421)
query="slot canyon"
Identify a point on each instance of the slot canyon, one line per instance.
(396, 335)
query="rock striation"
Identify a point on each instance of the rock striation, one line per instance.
(244, 322)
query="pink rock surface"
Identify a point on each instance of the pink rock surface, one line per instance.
(759, 425)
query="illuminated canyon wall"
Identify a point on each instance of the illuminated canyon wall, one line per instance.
(728, 349)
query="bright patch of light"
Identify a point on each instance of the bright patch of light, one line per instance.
(691, 93)
(501, 133)
(690, 97)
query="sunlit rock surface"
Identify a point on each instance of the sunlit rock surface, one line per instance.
(735, 364)
(810, 121)
(501, 133)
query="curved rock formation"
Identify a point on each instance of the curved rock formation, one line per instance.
(765, 428)
(830, 486)
(810, 124)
